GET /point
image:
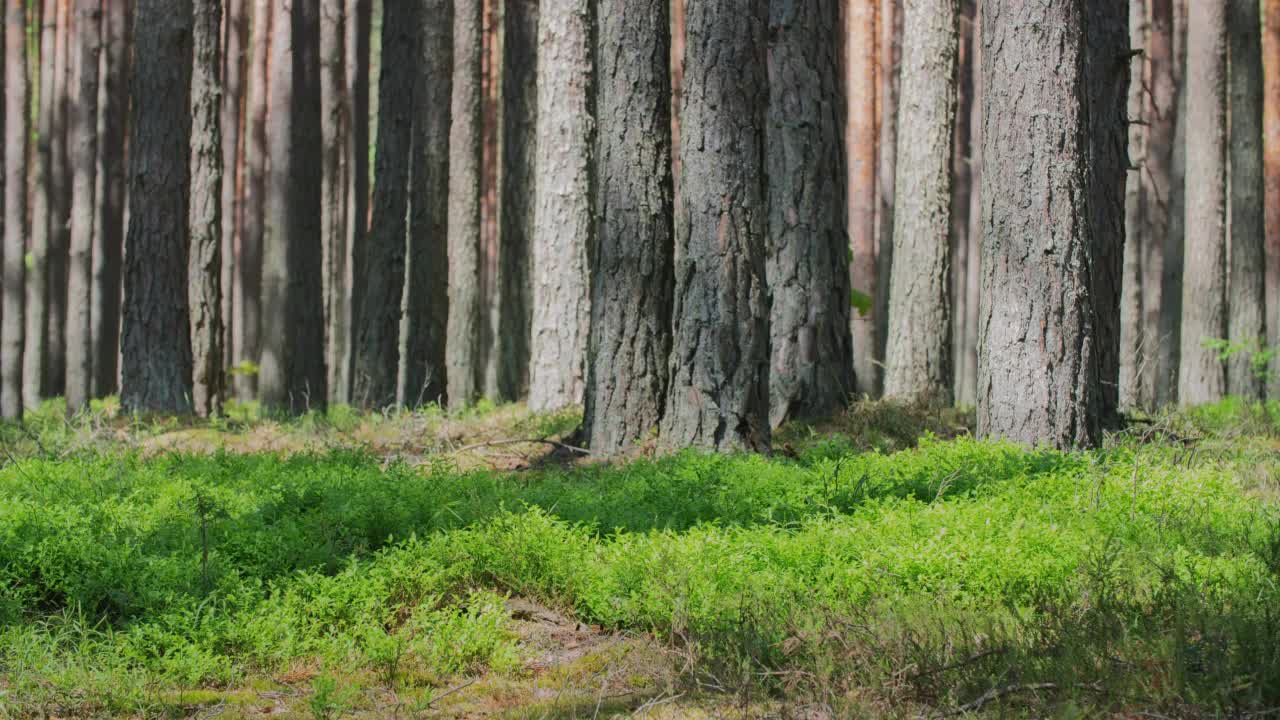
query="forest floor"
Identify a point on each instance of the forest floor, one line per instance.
(427, 564)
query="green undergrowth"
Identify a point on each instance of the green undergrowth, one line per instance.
(957, 574)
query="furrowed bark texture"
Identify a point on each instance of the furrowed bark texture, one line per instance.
(811, 369)
(110, 185)
(382, 282)
(466, 311)
(426, 292)
(156, 372)
(293, 374)
(83, 153)
(247, 324)
(918, 359)
(718, 396)
(861, 143)
(562, 214)
(1247, 283)
(632, 283)
(335, 127)
(13, 266)
(204, 265)
(1202, 377)
(35, 347)
(1038, 366)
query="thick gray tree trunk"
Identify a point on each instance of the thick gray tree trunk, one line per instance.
(156, 373)
(13, 253)
(811, 371)
(82, 144)
(204, 266)
(1202, 377)
(918, 359)
(247, 303)
(1247, 284)
(35, 347)
(110, 185)
(719, 396)
(631, 288)
(861, 144)
(1039, 368)
(293, 375)
(382, 282)
(464, 362)
(426, 292)
(562, 213)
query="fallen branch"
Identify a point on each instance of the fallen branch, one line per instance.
(997, 693)
(446, 694)
(529, 441)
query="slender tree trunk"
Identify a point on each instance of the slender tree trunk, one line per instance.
(358, 31)
(918, 361)
(247, 323)
(1271, 171)
(336, 128)
(426, 291)
(860, 141)
(109, 189)
(562, 215)
(204, 269)
(513, 311)
(967, 383)
(890, 74)
(719, 395)
(1175, 243)
(1040, 371)
(1202, 377)
(156, 340)
(811, 356)
(13, 251)
(961, 190)
(1157, 182)
(83, 153)
(293, 377)
(632, 283)
(35, 347)
(1134, 343)
(463, 361)
(378, 335)
(1247, 284)
(55, 365)
(233, 106)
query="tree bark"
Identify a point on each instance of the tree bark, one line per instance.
(811, 356)
(463, 360)
(961, 190)
(631, 286)
(513, 310)
(55, 364)
(110, 184)
(247, 323)
(1202, 377)
(83, 155)
(861, 143)
(13, 252)
(718, 395)
(156, 374)
(1175, 242)
(1134, 343)
(233, 117)
(918, 359)
(358, 35)
(293, 376)
(204, 269)
(35, 344)
(967, 384)
(1160, 103)
(426, 292)
(562, 212)
(378, 336)
(1271, 171)
(890, 74)
(1040, 369)
(1247, 283)
(335, 126)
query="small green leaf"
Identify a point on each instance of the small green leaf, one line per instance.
(29, 260)
(861, 301)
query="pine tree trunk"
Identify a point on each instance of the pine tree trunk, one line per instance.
(889, 76)
(1271, 171)
(1175, 243)
(1039, 368)
(631, 288)
(1134, 342)
(204, 269)
(335, 126)
(961, 189)
(293, 377)
(382, 284)
(156, 343)
(811, 356)
(562, 212)
(860, 141)
(55, 365)
(1202, 377)
(35, 344)
(513, 311)
(13, 252)
(358, 35)
(718, 395)
(83, 155)
(426, 292)
(247, 323)
(464, 362)
(110, 184)
(233, 111)
(967, 383)
(1161, 109)
(1247, 283)
(918, 359)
